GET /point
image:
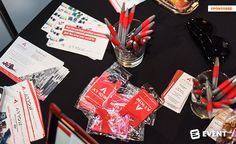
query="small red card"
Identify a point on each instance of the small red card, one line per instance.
(101, 90)
(140, 107)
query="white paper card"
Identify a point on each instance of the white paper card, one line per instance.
(23, 58)
(177, 92)
(117, 4)
(218, 121)
(73, 31)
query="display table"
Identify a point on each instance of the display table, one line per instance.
(171, 48)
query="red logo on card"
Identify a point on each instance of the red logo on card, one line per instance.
(138, 107)
(103, 90)
(15, 101)
(24, 44)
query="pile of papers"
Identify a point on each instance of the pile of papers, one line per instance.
(25, 61)
(116, 108)
(74, 31)
(20, 117)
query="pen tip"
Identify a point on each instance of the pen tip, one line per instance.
(152, 17)
(148, 37)
(151, 24)
(217, 61)
(123, 6)
(108, 36)
(133, 8)
(150, 31)
(106, 21)
(126, 12)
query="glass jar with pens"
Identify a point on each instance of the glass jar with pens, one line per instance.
(212, 90)
(202, 100)
(129, 37)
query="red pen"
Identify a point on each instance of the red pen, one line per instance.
(209, 97)
(148, 27)
(228, 101)
(142, 34)
(144, 40)
(131, 16)
(110, 27)
(223, 85)
(114, 41)
(145, 23)
(135, 45)
(225, 91)
(122, 13)
(219, 105)
(198, 92)
(232, 94)
(196, 83)
(124, 27)
(214, 104)
(215, 73)
(129, 44)
(203, 100)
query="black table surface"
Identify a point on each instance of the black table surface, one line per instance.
(171, 48)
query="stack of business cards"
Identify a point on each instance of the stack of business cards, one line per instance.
(117, 4)
(21, 114)
(74, 31)
(25, 61)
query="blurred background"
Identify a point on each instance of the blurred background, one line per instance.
(21, 13)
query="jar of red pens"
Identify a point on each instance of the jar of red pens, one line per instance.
(208, 97)
(129, 37)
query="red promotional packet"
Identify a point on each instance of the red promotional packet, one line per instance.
(140, 107)
(102, 88)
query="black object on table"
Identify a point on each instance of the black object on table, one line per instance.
(170, 49)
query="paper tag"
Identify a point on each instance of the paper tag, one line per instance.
(140, 107)
(177, 92)
(217, 123)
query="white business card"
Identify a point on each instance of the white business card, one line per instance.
(177, 92)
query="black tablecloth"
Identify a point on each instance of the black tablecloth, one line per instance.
(171, 48)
